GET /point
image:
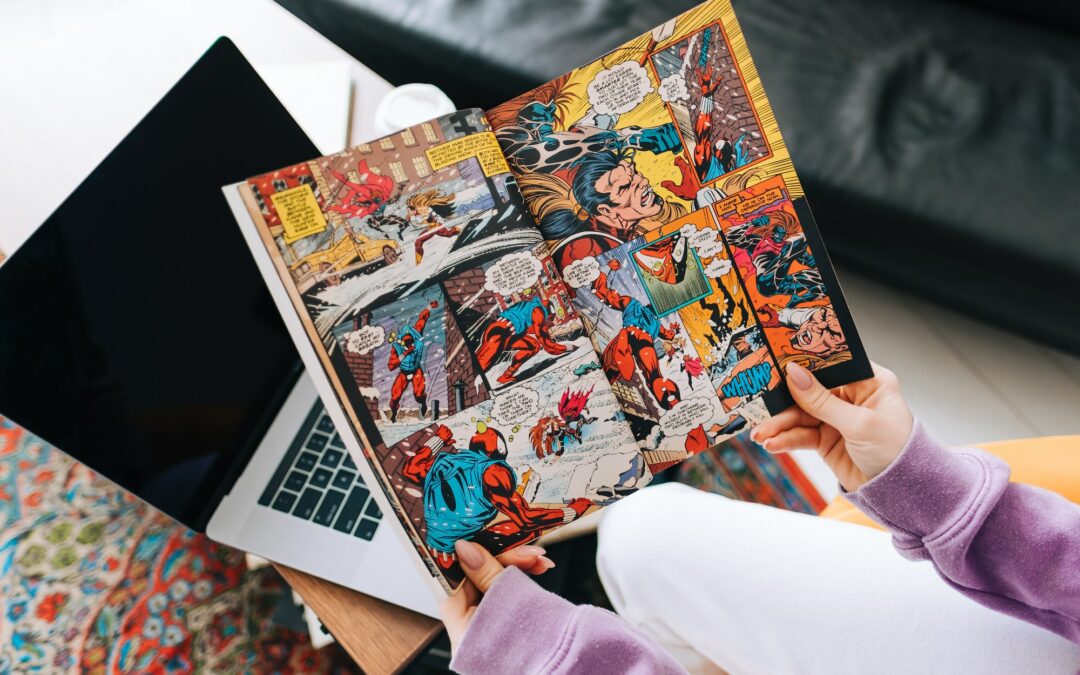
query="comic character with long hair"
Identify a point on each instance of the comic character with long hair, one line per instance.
(465, 489)
(767, 246)
(363, 198)
(428, 210)
(814, 330)
(521, 328)
(407, 357)
(553, 431)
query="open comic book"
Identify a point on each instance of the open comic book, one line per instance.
(524, 314)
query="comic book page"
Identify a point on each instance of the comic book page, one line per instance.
(445, 332)
(661, 182)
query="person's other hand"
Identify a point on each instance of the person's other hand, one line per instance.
(480, 569)
(858, 429)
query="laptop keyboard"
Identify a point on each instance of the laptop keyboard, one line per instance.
(318, 481)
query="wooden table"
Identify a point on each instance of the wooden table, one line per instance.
(379, 636)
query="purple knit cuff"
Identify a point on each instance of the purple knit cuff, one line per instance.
(513, 607)
(929, 490)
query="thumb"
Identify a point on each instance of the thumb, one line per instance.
(480, 567)
(811, 396)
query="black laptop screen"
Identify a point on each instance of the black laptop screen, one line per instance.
(135, 330)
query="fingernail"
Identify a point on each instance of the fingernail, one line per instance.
(530, 551)
(765, 444)
(469, 554)
(755, 435)
(799, 376)
(548, 562)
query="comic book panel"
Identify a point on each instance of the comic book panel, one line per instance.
(501, 473)
(379, 218)
(706, 94)
(515, 316)
(663, 125)
(399, 358)
(772, 253)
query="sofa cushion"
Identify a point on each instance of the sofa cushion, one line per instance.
(939, 142)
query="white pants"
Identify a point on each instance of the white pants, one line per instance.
(747, 588)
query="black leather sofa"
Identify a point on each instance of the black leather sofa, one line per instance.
(939, 142)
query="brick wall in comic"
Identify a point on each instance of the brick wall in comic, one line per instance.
(494, 419)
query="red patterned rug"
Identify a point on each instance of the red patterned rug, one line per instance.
(94, 580)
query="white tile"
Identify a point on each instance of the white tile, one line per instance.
(951, 398)
(1039, 391)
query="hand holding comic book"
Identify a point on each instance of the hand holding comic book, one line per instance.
(858, 429)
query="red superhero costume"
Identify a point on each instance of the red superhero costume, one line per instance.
(466, 489)
(521, 328)
(664, 260)
(363, 198)
(634, 347)
(407, 357)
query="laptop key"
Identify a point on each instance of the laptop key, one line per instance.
(348, 463)
(283, 502)
(321, 478)
(305, 508)
(336, 442)
(306, 461)
(350, 512)
(366, 528)
(372, 510)
(316, 442)
(295, 481)
(325, 425)
(332, 458)
(343, 479)
(328, 508)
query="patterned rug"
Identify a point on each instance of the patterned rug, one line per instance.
(94, 580)
(742, 469)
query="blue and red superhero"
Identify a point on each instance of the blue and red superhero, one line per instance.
(407, 357)
(712, 159)
(634, 347)
(466, 489)
(521, 328)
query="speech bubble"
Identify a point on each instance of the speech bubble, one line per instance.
(673, 88)
(581, 272)
(718, 268)
(707, 242)
(364, 340)
(513, 273)
(619, 89)
(515, 406)
(687, 414)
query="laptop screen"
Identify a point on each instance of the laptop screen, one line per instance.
(135, 330)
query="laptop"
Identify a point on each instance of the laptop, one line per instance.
(137, 335)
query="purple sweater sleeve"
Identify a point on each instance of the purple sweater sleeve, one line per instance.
(521, 628)
(1012, 547)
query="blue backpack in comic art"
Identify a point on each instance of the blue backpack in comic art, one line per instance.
(455, 505)
(640, 316)
(520, 315)
(412, 361)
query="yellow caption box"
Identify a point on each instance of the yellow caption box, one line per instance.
(299, 212)
(482, 146)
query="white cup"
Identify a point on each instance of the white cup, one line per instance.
(410, 104)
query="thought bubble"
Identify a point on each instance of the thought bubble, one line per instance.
(687, 414)
(673, 88)
(718, 268)
(619, 89)
(364, 340)
(515, 406)
(581, 272)
(513, 273)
